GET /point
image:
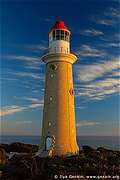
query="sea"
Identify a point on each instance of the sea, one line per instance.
(111, 142)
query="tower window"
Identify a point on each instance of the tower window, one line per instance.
(53, 66)
(51, 75)
(48, 142)
(49, 123)
(51, 98)
(71, 91)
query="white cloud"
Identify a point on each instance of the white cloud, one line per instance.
(113, 44)
(91, 32)
(33, 67)
(22, 58)
(30, 62)
(80, 107)
(115, 38)
(40, 48)
(46, 19)
(97, 81)
(35, 102)
(108, 17)
(35, 91)
(32, 100)
(29, 75)
(88, 51)
(90, 72)
(112, 12)
(87, 123)
(99, 90)
(8, 110)
(106, 22)
(35, 105)
(7, 79)
(110, 41)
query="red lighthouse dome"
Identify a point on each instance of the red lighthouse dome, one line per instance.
(60, 25)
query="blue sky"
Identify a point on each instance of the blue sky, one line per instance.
(95, 39)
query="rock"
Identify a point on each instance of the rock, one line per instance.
(88, 162)
(102, 149)
(20, 147)
(19, 167)
(87, 149)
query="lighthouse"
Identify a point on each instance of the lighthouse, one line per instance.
(58, 125)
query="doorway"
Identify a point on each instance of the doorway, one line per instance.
(48, 142)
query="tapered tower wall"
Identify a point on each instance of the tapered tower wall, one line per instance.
(58, 128)
(59, 115)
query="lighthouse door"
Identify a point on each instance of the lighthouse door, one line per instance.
(49, 141)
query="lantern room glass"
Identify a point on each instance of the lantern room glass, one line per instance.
(60, 35)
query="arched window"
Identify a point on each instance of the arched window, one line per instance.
(48, 143)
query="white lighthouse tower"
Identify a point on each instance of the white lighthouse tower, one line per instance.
(58, 128)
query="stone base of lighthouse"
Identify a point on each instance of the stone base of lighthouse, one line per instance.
(58, 129)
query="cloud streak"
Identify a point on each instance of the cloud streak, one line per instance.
(106, 22)
(87, 123)
(91, 32)
(112, 12)
(89, 51)
(22, 58)
(46, 20)
(99, 80)
(109, 17)
(9, 110)
(99, 90)
(90, 72)
(35, 102)
(36, 105)
(38, 48)
(30, 75)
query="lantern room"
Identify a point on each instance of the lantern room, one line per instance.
(59, 38)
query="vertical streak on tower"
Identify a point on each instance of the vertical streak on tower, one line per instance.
(58, 129)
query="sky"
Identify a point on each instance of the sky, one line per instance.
(95, 38)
